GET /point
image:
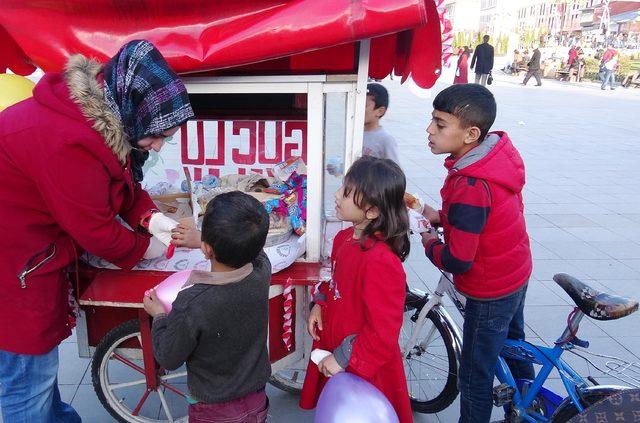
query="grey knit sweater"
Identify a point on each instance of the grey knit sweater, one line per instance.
(219, 328)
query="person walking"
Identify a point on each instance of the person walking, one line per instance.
(608, 66)
(534, 68)
(463, 66)
(482, 60)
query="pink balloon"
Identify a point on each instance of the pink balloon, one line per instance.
(168, 289)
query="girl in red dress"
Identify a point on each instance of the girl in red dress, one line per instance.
(358, 314)
(463, 66)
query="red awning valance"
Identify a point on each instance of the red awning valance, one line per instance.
(205, 35)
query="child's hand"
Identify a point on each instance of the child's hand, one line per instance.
(329, 366)
(185, 236)
(334, 170)
(431, 214)
(428, 236)
(315, 318)
(152, 305)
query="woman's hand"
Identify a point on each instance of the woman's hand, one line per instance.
(329, 366)
(315, 319)
(186, 236)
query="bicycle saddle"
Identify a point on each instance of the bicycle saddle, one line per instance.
(593, 303)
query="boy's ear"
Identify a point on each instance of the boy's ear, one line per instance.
(380, 111)
(207, 250)
(473, 135)
(372, 213)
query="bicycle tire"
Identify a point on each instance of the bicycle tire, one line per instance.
(121, 332)
(449, 392)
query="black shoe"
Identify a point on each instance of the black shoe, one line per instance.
(538, 85)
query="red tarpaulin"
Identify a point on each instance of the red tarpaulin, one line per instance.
(207, 35)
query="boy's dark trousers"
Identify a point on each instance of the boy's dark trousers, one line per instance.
(251, 408)
(487, 324)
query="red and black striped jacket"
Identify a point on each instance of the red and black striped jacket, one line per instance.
(486, 244)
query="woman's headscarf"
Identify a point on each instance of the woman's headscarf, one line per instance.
(145, 94)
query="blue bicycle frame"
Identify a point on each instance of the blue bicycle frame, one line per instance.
(549, 359)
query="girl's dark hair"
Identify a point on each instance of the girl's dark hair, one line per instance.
(381, 183)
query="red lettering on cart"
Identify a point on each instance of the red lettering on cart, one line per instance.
(244, 158)
(219, 159)
(299, 145)
(262, 144)
(200, 144)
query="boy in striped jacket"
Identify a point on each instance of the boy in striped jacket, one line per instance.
(486, 246)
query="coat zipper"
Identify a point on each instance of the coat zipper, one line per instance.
(31, 266)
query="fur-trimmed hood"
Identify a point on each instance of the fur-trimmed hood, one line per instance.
(81, 74)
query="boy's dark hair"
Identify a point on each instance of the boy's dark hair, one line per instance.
(380, 95)
(381, 183)
(235, 225)
(472, 104)
(485, 38)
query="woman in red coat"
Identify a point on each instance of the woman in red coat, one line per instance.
(462, 69)
(358, 315)
(70, 162)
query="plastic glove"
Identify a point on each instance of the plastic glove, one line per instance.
(160, 226)
(417, 222)
(156, 249)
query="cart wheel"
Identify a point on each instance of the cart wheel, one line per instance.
(117, 372)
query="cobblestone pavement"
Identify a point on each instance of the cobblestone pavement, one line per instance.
(581, 148)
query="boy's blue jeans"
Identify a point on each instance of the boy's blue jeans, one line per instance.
(29, 389)
(486, 326)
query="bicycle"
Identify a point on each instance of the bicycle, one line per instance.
(529, 400)
(431, 344)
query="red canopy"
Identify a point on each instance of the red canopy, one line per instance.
(208, 35)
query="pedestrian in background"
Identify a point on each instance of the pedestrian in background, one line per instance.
(482, 60)
(534, 68)
(608, 66)
(462, 71)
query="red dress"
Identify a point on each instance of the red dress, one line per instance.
(367, 299)
(462, 70)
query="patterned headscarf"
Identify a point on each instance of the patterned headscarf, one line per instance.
(145, 94)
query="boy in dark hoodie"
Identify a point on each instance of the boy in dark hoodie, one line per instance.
(486, 246)
(219, 324)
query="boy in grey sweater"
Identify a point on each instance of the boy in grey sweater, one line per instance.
(218, 325)
(376, 141)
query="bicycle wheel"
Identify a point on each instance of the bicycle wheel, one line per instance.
(431, 365)
(117, 373)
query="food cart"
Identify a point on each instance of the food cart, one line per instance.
(269, 80)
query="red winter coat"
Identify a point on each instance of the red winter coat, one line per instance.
(61, 188)
(371, 289)
(486, 243)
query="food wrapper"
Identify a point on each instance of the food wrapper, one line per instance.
(418, 223)
(294, 193)
(283, 170)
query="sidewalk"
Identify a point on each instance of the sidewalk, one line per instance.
(582, 198)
